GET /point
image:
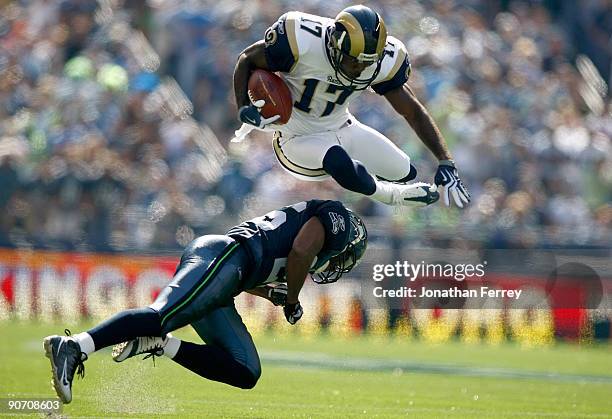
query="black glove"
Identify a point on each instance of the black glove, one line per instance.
(249, 114)
(447, 176)
(293, 312)
(278, 294)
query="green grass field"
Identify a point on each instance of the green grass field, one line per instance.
(330, 377)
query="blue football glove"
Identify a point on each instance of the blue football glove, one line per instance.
(293, 312)
(249, 114)
(447, 176)
(278, 294)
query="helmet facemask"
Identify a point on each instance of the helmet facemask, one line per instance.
(364, 43)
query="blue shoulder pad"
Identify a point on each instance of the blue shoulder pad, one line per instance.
(280, 46)
(398, 79)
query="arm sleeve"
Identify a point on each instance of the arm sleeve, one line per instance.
(398, 75)
(335, 219)
(280, 45)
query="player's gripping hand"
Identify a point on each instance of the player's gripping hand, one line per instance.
(447, 176)
(278, 294)
(293, 312)
(249, 114)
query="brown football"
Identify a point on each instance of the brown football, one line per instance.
(271, 88)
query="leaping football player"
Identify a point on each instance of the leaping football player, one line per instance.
(269, 256)
(326, 63)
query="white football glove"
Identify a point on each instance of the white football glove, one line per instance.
(447, 176)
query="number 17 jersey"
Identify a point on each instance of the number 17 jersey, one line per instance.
(296, 47)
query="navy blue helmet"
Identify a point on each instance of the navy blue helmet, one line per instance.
(348, 258)
(356, 41)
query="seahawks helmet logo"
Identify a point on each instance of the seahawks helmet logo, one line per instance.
(337, 222)
(346, 260)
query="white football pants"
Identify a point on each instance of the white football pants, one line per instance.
(302, 155)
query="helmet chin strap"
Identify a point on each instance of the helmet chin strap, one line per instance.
(335, 46)
(356, 84)
(341, 40)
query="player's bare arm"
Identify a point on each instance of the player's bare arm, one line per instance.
(405, 102)
(250, 59)
(306, 246)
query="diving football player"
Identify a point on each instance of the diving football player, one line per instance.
(269, 256)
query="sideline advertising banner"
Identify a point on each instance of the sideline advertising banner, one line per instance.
(433, 299)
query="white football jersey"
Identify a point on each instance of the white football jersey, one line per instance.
(296, 48)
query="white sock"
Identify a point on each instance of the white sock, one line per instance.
(85, 342)
(172, 346)
(383, 193)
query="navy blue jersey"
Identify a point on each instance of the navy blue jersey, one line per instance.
(269, 238)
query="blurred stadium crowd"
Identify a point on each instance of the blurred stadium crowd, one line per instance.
(116, 116)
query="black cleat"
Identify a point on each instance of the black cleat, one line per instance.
(66, 358)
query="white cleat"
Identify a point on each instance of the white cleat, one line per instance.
(418, 194)
(151, 345)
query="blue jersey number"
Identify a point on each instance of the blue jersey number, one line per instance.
(310, 86)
